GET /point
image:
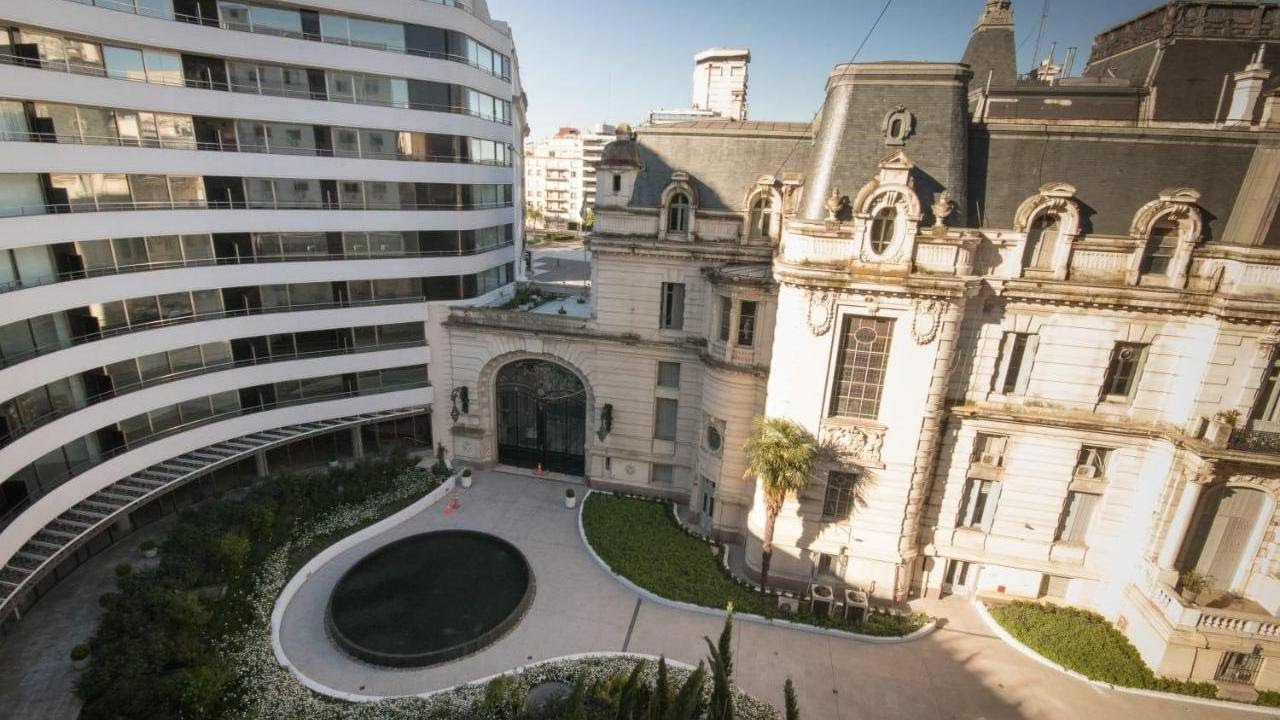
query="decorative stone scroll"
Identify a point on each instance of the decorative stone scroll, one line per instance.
(856, 444)
(927, 320)
(822, 312)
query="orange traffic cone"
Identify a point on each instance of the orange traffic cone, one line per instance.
(539, 471)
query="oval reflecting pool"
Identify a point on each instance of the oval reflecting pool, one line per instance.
(429, 598)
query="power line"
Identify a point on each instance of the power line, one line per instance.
(1044, 17)
(843, 72)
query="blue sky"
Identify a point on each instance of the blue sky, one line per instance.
(592, 61)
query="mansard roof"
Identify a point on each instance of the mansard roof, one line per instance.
(723, 159)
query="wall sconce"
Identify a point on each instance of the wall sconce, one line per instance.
(460, 396)
(606, 421)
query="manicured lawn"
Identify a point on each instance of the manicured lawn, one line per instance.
(1086, 643)
(640, 540)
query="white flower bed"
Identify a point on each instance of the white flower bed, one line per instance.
(269, 690)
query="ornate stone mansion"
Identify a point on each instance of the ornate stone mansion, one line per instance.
(1034, 325)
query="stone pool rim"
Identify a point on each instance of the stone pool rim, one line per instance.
(442, 655)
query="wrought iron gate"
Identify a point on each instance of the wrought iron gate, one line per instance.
(542, 410)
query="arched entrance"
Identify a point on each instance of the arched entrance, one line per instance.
(542, 415)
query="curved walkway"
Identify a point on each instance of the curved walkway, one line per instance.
(960, 671)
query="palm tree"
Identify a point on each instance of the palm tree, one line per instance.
(782, 456)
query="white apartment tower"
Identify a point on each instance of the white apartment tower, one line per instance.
(227, 230)
(720, 82)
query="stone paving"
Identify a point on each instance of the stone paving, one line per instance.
(960, 671)
(36, 675)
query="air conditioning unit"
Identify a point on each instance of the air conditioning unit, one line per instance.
(821, 600)
(855, 605)
(990, 459)
(1086, 472)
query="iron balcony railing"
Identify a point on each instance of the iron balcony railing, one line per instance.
(76, 68)
(95, 205)
(40, 281)
(127, 446)
(31, 424)
(193, 144)
(63, 344)
(1260, 441)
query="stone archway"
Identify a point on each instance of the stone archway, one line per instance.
(541, 416)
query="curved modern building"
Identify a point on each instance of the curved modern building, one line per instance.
(226, 229)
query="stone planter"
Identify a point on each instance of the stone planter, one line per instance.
(150, 553)
(1217, 433)
(466, 480)
(570, 501)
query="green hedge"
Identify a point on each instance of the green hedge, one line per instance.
(1086, 643)
(157, 649)
(640, 540)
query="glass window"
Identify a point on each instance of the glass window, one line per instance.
(154, 366)
(334, 28)
(378, 144)
(1076, 516)
(111, 190)
(298, 193)
(1013, 373)
(351, 194)
(96, 255)
(98, 126)
(346, 142)
(860, 368)
(163, 68)
(164, 249)
(884, 228)
(50, 47)
(260, 192)
(234, 15)
(65, 119)
(216, 354)
(275, 21)
(761, 220)
(13, 121)
(669, 375)
(1157, 255)
(380, 35)
(672, 313)
(243, 76)
(85, 57)
(197, 248)
(1123, 370)
(20, 194)
(175, 305)
(1042, 242)
(150, 191)
(292, 137)
(142, 311)
(837, 503)
(311, 293)
(207, 302)
(747, 323)
(124, 374)
(130, 252)
(726, 316)
(275, 296)
(678, 213)
(665, 416)
(177, 132)
(78, 188)
(124, 63)
(156, 8)
(979, 504)
(342, 86)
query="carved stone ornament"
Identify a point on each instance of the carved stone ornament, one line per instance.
(854, 444)
(822, 312)
(942, 208)
(1271, 338)
(927, 320)
(834, 205)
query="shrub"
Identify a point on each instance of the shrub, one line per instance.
(568, 492)
(147, 545)
(124, 570)
(1086, 643)
(1269, 698)
(79, 652)
(466, 472)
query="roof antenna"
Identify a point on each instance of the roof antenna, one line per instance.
(1044, 18)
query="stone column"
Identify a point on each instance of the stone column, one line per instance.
(357, 443)
(260, 463)
(1181, 523)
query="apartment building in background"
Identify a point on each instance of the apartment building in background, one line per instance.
(227, 232)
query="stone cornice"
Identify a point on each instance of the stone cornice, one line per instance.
(524, 323)
(650, 247)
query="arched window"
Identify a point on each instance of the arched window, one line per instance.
(1162, 245)
(884, 229)
(761, 218)
(678, 213)
(1042, 242)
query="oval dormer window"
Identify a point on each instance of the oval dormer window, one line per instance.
(884, 228)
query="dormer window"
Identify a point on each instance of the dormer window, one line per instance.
(1162, 245)
(1042, 242)
(884, 229)
(678, 213)
(617, 182)
(761, 218)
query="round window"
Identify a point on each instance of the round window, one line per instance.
(714, 440)
(865, 336)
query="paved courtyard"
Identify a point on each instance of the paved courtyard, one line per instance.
(960, 671)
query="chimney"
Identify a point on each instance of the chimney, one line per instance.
(1248, 90)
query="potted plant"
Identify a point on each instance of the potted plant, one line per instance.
(1192, 583)
(333, 461)
(80, 656)
(1218, 430)
(123, 570)
(148, 548)
(466, 477)
(570, 498)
